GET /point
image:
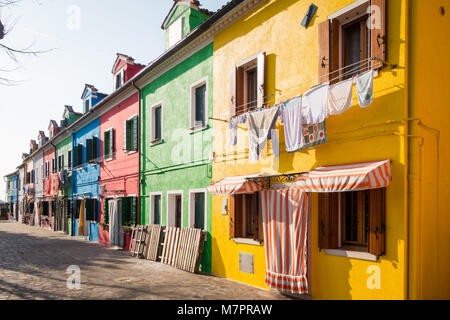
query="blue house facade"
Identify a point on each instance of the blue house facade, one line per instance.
(86, 170)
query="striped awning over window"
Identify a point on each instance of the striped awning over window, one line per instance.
(347, 177)
(236, 185)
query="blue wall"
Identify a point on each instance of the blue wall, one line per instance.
(86, 178)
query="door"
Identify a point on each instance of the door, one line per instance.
(178, 211)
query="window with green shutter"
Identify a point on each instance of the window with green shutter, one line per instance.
(106, 211)
(107, 144)
(126, 211)
(128, 135)
(133, 210)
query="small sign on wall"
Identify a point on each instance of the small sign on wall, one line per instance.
(225, 206)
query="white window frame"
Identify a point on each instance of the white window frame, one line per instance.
(170, 206)
(154, 141)
(120, 73)
(345, 16)
(191, 221)
(193, 87)
(152, 207)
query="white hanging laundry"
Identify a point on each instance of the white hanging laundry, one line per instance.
(315, 109)
(234, 122)
(260, 129)
(340, 97)
(291, 116)
(364, 88)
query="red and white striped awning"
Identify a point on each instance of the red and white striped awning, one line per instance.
(347, 177)
(236, 185)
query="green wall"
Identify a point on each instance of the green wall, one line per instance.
(181, 160)
(63, 148)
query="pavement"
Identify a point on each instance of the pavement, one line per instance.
(34, 264)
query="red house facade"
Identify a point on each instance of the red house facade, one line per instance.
(119, 170)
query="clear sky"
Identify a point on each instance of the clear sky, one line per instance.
(84, 52)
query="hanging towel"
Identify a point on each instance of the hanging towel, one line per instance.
(364, 88)
(340, 97)
(113, 223)
(291, 116)
(234, 122)
(313, 135)
(315, 109)
(286, 222)
(81, 222)
(260, 129)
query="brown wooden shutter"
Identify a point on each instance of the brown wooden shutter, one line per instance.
(240, 91)
(328, 220)
(324, 51)
(378, 33)
(233, 100)
(335, 51)
(377, 221)
(232, 214)
(261, 75)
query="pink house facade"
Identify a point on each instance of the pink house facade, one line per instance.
(119, 169)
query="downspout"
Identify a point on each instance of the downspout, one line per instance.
(407, 110)
(138, 218)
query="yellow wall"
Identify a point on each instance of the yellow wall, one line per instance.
(373, 133)
(430, 172)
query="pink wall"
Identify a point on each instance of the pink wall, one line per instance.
(121, 173)
(48, 156)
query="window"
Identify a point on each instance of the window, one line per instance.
(156, 209)
(91, 210)
(156, 127)
(119, 79)
(91, 149)
(47, 169)
(53, 165)
(60, 163)
(78, 155)
(353, 221)
(349, 38)
(131, 134)
(108, 144)
(244, 216)
(248, 85)
(129, 213)
(69, 159)
(197, 209)
(199, 104)
(87, 105)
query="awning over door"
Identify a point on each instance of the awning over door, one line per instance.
(236, 185)
(347, 177)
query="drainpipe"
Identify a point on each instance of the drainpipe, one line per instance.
(407, 112)
(138, 218)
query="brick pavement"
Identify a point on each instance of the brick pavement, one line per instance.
(33, 265)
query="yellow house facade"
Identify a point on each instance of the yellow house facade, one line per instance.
(269, 48)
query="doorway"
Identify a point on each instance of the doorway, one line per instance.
(174, 209)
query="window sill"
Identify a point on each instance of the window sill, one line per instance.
(199, 128)
(109, 159)
(131, 152)
(247, 241)
(351, 254)
(156, 142)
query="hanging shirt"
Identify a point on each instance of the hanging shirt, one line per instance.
(340, 97)
(261, 126)
(315, 109)
(234, 122)
(291, 116)
(314, 134)
(364, 88)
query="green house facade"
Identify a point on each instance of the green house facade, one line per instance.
(176, 136)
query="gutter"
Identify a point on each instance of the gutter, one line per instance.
(138, 218)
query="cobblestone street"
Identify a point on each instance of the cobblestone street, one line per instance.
(33, 265)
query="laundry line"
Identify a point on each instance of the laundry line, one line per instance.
(364, 64)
